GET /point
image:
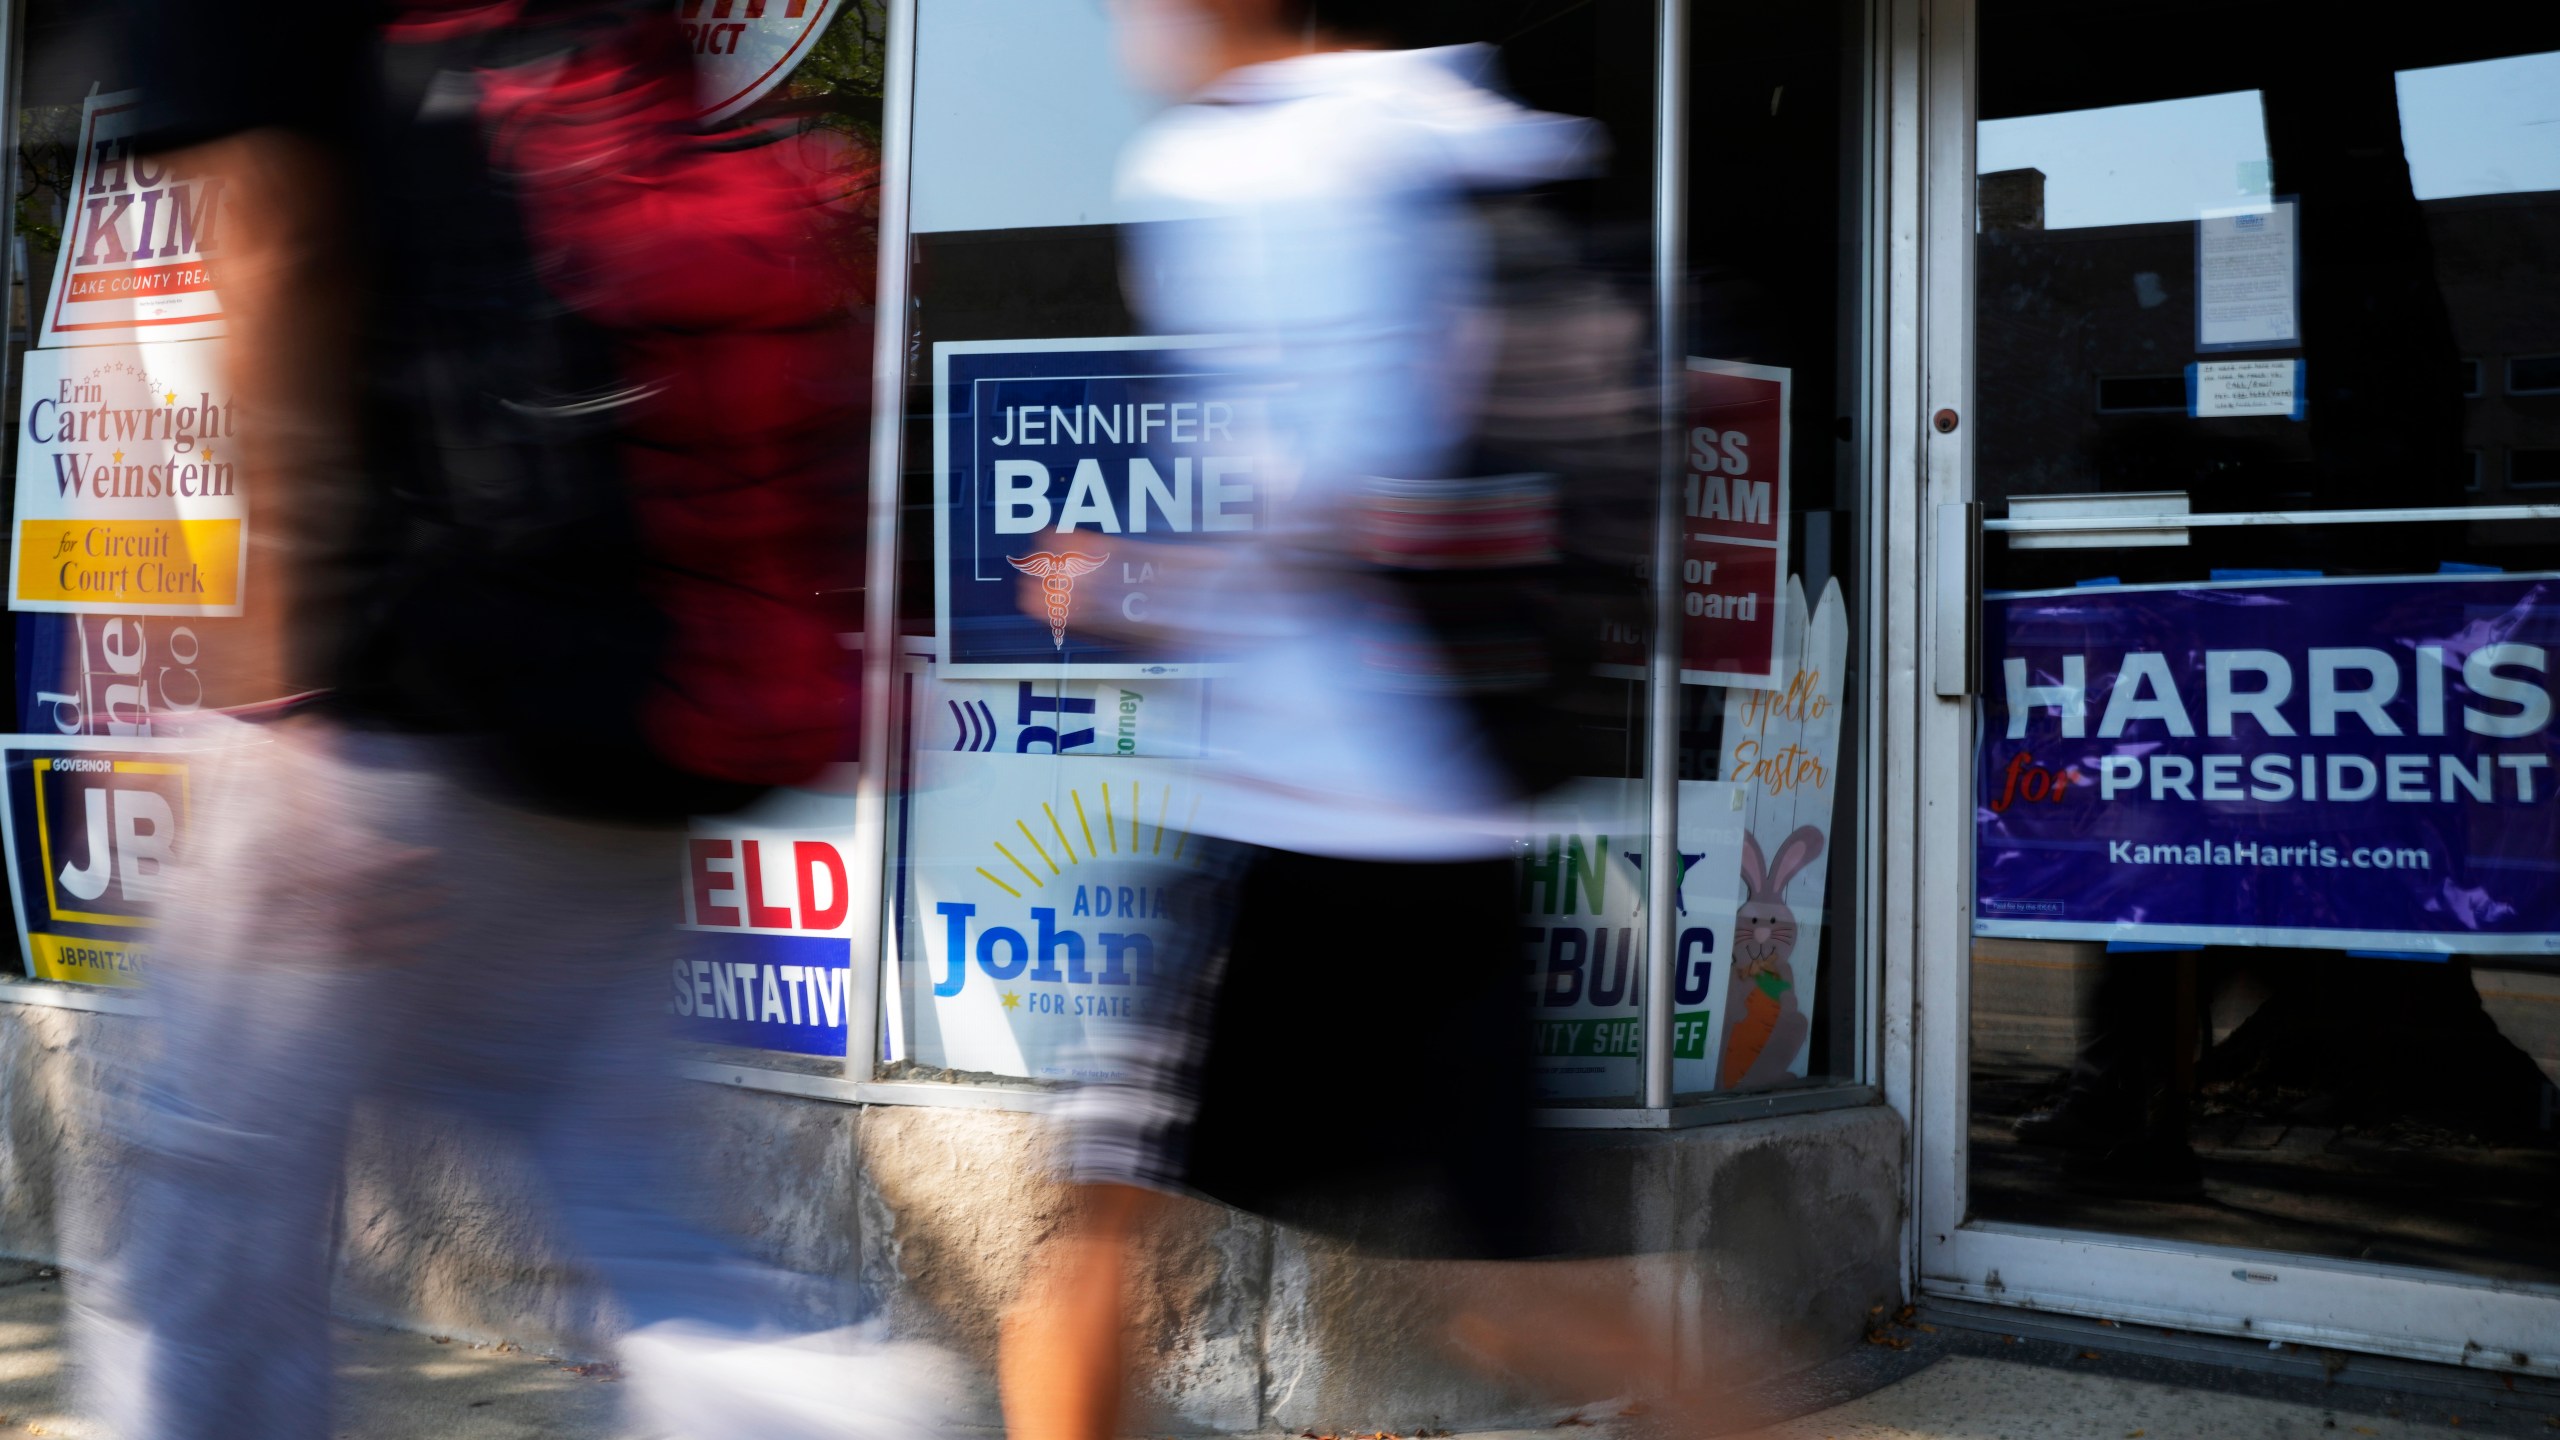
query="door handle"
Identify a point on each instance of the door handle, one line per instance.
(1955, 583)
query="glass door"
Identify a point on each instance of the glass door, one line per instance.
(2248, 1021)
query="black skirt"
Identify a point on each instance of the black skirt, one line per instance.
(1353, 1060)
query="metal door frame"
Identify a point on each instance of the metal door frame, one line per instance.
(1928, 121)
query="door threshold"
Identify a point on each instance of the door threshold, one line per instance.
(2240, 1353)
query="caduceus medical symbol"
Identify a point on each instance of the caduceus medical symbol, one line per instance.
(1056, 570)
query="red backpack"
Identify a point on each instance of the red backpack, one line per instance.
(637, 368)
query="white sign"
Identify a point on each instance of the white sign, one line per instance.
(1038, 908)
(1072, 716)
(2247, 387)
(2247, 278)
(130, 497)
(135, 233)
(744, 48)
(1582, 891)
(1782, 751)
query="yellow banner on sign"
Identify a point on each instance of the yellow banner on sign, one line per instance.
(88, 962)
(116, 563)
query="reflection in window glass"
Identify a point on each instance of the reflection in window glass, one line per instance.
(2491, 127)
(2246, 1045)
(2134, 164)
(985, 159)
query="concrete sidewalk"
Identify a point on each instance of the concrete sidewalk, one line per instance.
(1969, 1398)
(403, 1386)
(395, 1385)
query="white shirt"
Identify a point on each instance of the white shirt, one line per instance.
(1338, 256)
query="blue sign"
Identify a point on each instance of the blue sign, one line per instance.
(1063, 470)
(92, 832)
(770, 992)
(117, 675)
(2334, 763)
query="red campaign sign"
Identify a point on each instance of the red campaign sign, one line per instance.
(134, 237)
(1733, 509)
(744, 48)
(764, 882)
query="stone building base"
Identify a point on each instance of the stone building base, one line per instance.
(1760, 1246)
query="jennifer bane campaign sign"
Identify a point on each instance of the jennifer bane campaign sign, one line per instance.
(1058, 464)
(2361, 763)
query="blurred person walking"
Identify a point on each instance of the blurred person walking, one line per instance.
(1395, 668)
(549, 397)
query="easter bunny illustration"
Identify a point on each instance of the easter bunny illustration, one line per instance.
(1765, 1024)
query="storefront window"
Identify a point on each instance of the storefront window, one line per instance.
(1015, 930)
(1773, 508)
(1043, 787)
(2265, 890)
(111, 306)
(1047, 810)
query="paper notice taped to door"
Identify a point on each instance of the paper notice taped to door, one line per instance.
(2247, 278)
(2221, 388)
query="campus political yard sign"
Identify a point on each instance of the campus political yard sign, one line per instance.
(129, 497)
(110, 675)
(135, 233)
(1063, 469)
(1582, 926)
(1733, 522)
(92, 830)
(2351, 763)
(1038, 904)
(765, 960)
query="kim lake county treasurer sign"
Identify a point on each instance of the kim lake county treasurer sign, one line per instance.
(1059, 467)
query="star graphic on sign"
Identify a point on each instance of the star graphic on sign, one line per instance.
(1636, 859)
(208, 452)
(119, 457)
(169, 399)
(1012, 1001)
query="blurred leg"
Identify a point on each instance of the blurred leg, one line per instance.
(205, 1315)
(553, 1028)
(1572, 1330)
(606, 1135)
(234, 1211)
(555, 1031)
(1064, 1360)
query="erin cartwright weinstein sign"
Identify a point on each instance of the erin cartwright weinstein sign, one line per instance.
(129, 484)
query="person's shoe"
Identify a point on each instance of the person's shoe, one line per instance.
(697, 1382)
